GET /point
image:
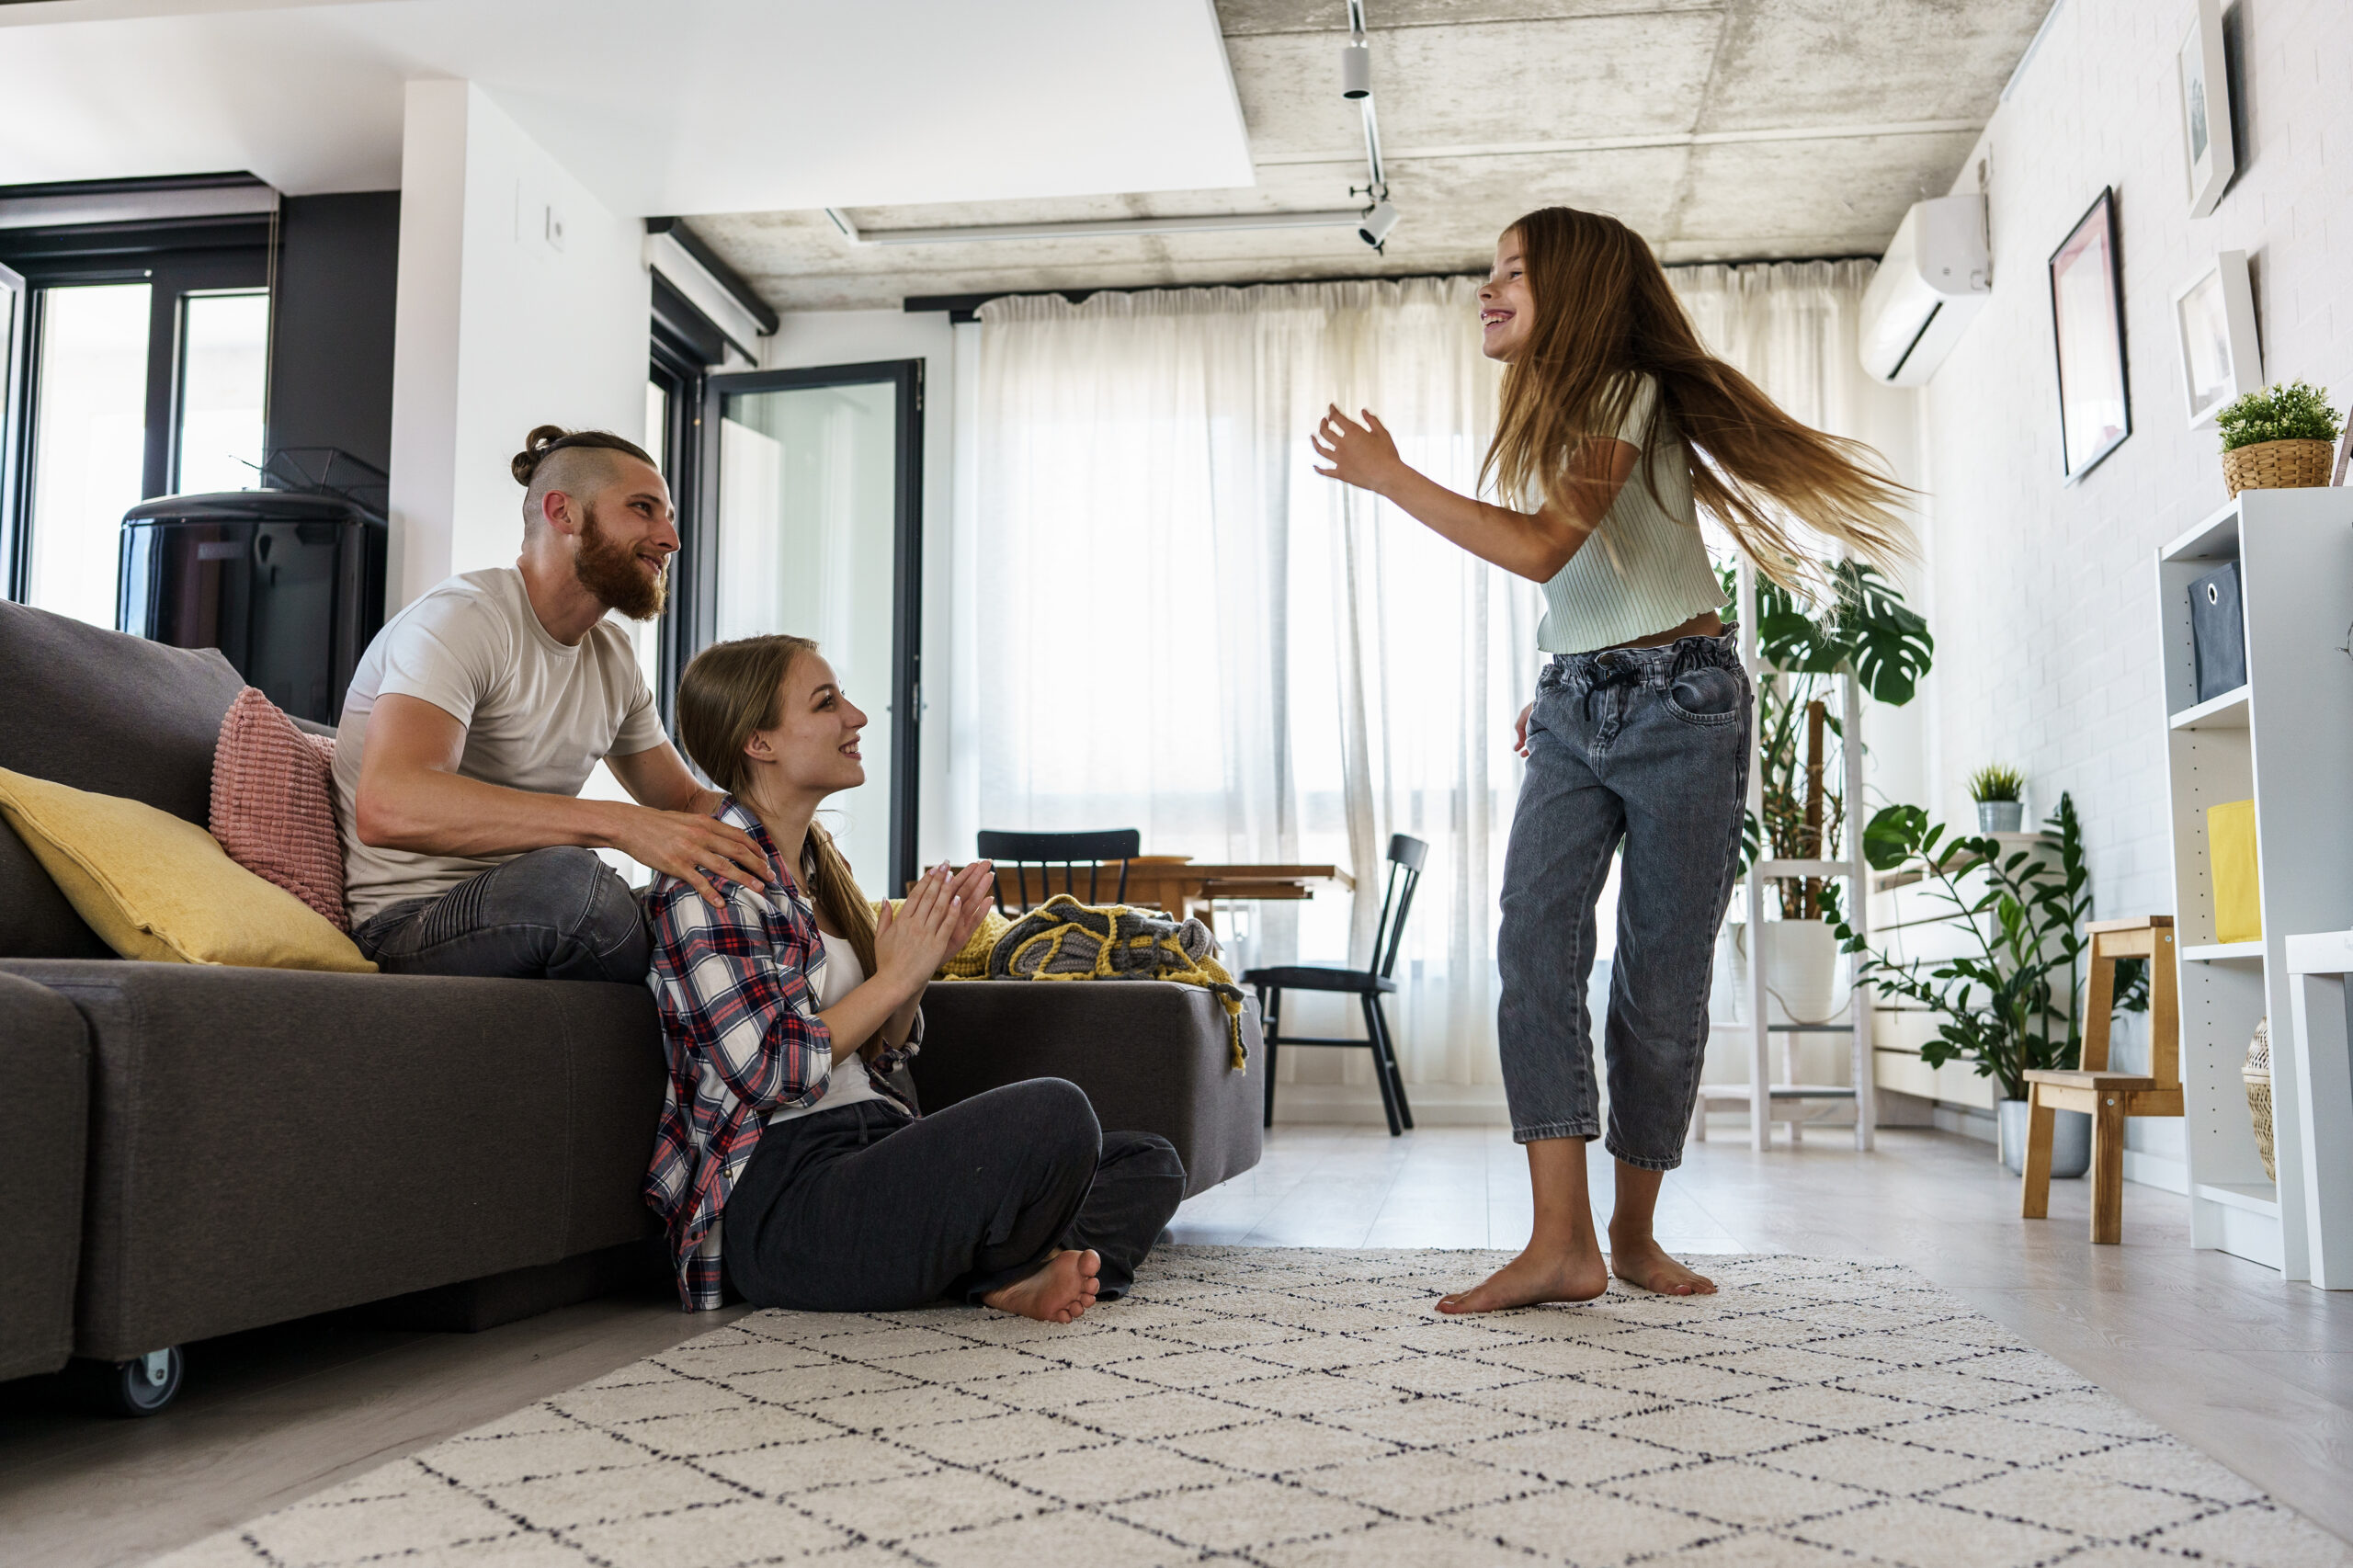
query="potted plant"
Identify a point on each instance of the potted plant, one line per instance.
(2280, 439)
(2013, 1005)
(1859, 623)
(1996, 789)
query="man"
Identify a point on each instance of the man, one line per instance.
(479, 712)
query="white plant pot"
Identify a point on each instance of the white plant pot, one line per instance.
(2071, 1140)
(1801, 969)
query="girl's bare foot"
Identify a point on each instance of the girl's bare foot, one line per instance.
(1645, 1263)
(1534, 1277)
(1062, 1287)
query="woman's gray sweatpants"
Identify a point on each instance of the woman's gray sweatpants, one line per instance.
(1650, 746)
(866, 1209)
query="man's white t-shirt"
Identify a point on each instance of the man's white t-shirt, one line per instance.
(539, 716)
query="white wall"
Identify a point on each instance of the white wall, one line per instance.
(2043, 597)
(814, 338)
(500, 327)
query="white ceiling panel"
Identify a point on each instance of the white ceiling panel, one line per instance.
(686, 105)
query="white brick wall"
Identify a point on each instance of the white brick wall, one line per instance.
(2043, 596)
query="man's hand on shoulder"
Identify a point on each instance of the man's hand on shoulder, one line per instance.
(691, 846)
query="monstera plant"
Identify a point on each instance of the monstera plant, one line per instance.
(1857, 624)
(1862, 625)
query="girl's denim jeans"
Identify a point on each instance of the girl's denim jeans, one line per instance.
(1647, 746)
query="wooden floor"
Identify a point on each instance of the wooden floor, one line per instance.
(2257, 1372)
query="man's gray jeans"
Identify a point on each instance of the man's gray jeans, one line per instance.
(1648, 746)
(552, 913)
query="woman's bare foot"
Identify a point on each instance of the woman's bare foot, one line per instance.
(1062, 1287)
(1645, 1263)
(1532, 1277)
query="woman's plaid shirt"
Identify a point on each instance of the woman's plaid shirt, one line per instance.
(737, 991)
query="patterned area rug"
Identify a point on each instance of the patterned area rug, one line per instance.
(1299, 1406)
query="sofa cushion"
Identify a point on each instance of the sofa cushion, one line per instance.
(273, 804)
(269, 1144)
(160, 889)
(36, 922)
(116, 714)
(44, 1128)
(1153, 1055)
(98, 711)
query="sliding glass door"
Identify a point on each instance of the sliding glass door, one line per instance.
(814, 484)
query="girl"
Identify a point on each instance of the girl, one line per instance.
(783, 1010)
(1640, 730)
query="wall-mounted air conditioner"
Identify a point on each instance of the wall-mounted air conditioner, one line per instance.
(1933, 280)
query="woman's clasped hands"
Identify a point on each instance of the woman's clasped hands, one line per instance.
(940, 915)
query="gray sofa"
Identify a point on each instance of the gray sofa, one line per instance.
(192, 1150)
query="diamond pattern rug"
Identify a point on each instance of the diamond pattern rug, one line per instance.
(1291, 1406)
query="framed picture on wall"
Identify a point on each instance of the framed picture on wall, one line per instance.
(2213, 322)
(2206, 109)
(2087, 323)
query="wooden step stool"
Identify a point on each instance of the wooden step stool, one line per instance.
(2109, 1097)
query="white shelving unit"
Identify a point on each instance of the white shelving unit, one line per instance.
(1767, 1098)
(2284, 739)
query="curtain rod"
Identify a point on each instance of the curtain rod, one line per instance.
(962, 307)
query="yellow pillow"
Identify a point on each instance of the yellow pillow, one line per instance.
(156, 887)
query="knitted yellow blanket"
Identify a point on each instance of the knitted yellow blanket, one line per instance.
(1064, 939)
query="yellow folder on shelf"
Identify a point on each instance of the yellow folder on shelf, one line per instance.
(2230, 854)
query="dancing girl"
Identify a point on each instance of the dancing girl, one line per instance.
(1616, 428)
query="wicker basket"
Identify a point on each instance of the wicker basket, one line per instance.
(2279, 465)
(2256, 1074)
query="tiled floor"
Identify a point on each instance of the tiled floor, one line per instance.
(2255, 1372)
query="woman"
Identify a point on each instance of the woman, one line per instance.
(1640, 731)
(785, 1009)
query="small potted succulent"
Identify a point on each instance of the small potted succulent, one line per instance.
(1996, 788)
(2282, 438)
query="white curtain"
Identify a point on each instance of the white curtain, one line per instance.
(1790, 326)
(1175, 625)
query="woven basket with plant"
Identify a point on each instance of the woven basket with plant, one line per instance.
(2257, 1077)
(2280, 439)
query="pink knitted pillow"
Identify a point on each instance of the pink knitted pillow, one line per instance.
(273, 804)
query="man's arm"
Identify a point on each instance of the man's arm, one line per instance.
(410, 796)
(657, 777)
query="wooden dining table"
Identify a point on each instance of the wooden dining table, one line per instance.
(1177, 883)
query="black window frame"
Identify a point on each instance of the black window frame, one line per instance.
(173, 258)
(673, 366)
(696, 579)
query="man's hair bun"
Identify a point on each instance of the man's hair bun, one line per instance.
(546, 439)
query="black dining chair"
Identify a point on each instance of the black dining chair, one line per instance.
(1405, 856)
(1071, 851)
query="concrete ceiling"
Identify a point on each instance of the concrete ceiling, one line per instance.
(1722, 130)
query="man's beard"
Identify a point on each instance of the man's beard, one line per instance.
(614, 575)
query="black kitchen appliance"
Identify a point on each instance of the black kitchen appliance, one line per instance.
(288, 583)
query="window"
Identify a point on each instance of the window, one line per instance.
(140, 363)
(224, 367)
(89, 442)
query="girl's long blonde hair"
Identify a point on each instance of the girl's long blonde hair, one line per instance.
(1603, 312)
(728, 691)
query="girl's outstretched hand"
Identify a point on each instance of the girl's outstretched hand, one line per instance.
(1362, 455)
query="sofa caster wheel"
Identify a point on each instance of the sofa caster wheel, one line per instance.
(144, 1384)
